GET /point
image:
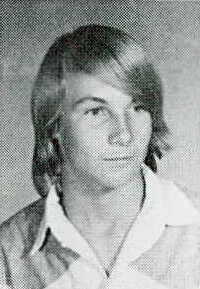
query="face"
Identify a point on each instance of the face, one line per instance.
(106, 134)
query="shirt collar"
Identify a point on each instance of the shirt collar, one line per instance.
(64, 231)
(177, 209)
(165, 204)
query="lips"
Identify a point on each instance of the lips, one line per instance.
(119, 158)
(119, 162)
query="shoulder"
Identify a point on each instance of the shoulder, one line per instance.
(20, 229)
(172, 188)
(183, 212)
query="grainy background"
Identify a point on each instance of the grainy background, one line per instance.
(170, 31)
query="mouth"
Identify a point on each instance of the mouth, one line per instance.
(119, 162)
(119, 158)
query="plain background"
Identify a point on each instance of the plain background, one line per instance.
(169, 30)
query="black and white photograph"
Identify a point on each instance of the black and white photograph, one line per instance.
(100, 144)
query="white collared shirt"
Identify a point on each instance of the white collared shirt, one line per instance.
(164, 205)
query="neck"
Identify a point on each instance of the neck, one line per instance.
(103, 209)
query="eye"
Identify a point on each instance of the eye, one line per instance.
(138, 107)
(94, 111)
(96, 115)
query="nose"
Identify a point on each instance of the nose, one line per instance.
(121, 133)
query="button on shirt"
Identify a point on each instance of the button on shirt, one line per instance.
(154, 253)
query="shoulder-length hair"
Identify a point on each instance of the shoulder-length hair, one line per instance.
(90, 49)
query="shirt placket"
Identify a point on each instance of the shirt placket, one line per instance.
(86, 275)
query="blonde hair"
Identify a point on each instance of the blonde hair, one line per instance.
(90, 49)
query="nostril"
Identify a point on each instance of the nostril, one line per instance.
(125, 136)
(121, 133)
(120, 137)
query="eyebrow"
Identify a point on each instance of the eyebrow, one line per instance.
(89, 98)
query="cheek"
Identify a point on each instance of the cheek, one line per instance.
(142, 128)
(82, 141)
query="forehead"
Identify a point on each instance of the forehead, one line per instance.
(81, 85)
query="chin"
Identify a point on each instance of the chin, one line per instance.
(114, 180)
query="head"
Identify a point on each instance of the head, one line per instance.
(95, 60)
